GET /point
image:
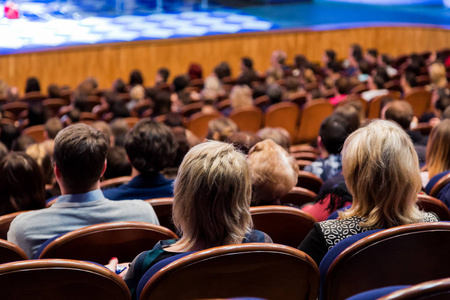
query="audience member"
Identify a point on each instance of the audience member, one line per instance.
(150, 147)
(243, 141)
(117, 164)
(32, 85)
(22, 143)
(278, 134)
(119, 86)
(79, 161)
(8, 133)
(332, 134)
(211, 207)
(162, 76)
(241, 97)
(135, 78)
(221, 128)
(273, 171)
(22, 184)
(438, 76)
(52, 127)
(383, 197)
(195, 71)
(376, 88)
(53, 91)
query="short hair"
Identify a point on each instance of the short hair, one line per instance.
(274, 172)
(331, 54)
(119, 128)
(53, 91)
(438, 149)
(119, 86)
(247, 62)
(343, 85)
(219, 129)
(274, 93)
(117, 163)
(80, 154)
(381, 171)
(164, 73)
(162, 103)
(22, 184)
(378, 81)
(136, 78)
(150, 146)
(32, 85)
(52, 127)
(410, 78)
(278, 134)
(357, 52)
(373, 52)
(364, 66)
(222, 70)
(243, 141)
(212, 195)
(401, 112)
(104, 128)
(333, 132)
(351, 114)
(180, 83)
(241, 96)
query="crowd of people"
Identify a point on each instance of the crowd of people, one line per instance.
(377, 167)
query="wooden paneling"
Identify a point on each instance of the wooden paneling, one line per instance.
(111, 61)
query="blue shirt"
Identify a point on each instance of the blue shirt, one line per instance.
(326, 168)
(143, 186)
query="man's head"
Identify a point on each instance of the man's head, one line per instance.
(79, 157)
(401, 112)
(150, 146)
(333, 132)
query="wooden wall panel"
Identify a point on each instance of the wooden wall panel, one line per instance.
(111, 61)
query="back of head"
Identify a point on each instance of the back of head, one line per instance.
(22, 143)
(180, 83)
(343, 85)
(32, 85)
(243, 141)
(438, 149)
(39, 153)
(137, 93)
(53, 91)
(247, 62)
(118, 164)
(136, 78)
(443, 100)
(119, 86)
(119, 128)
(79, 154)
(37, 115)
(164, 73)
(279, 135)
(150, 146)
(162, 103)
(364, 67)
(275, 93)
(438, 74)
(52, 127)
(241, 96)
(222, 70)
(411, 79)
(379, 82)
(104, 128)
(357, 52)
(195, 71)
(381, 171)
(219, 129)
(8, 134)
(401, 112)
(333, 132)
(212, 194)
(351, 114)
(22, 184)
(274, 172)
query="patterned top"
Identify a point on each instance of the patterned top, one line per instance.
(326, 168)
(335, 231)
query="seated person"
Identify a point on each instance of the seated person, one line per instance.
(221, 128)
(332, 134)
(79, 161)
(150, 147)
(376, 88)
(274, 173)
(211, 207)
(381, 172)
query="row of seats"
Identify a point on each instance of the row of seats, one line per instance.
(404, 255)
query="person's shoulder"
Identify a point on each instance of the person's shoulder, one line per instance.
(256, 236)
(430, 217)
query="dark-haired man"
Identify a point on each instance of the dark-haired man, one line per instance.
(333, 132)
(150, 147)
(79, 161)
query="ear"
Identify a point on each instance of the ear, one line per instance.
(104, 169)
(319, 142)
(57, 172)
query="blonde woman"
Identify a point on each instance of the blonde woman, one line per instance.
(274, 173)
(438, 76)
(381, 171)
(438, 155)
(211, 207)
(241, 97)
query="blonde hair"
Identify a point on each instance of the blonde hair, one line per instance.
(438, 75)
(241, 97)
(137, 93)
(221, 128)
(381, 171)
(438, 149)
(274, 172)
(212, 194)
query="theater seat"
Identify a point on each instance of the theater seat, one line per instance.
(268, 271)
(60, 279)
(10, 252)
(98, 243)
(5, 222)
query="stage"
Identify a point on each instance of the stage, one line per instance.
(65, 48)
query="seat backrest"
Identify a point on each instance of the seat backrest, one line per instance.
(402, 255)
(5, 222)
(431, 204)
(420, 101)
(114, 182)
(191, 108)
(374, 110)
(131, 121)
(304, 148)
(440, 185)
(355, 97)
(430, 290)
(285, 115)
(298, 196)
(268, 271)
(313, 113)
(16, 108)
(247, 119)
(60, 279)
(98, 243)
(284, 224)
(54, 104)
(309, 181)
(198, 123)
(262, 102)
(163, 209)
(10, 252)
(36, 132)
(33, 97)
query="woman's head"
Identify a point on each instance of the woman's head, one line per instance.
(22, 184)
(212, 194)
(438, 75)
(241, 96)
(438, 149)
(274, 172)
(381, 171)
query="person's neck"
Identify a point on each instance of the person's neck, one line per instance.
(68, 191)
(134, 172)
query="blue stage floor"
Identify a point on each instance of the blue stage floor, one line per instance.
(45, 26)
